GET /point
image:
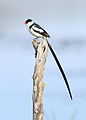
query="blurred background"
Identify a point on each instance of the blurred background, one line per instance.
(65, 21)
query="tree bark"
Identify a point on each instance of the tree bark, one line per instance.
(41, 52)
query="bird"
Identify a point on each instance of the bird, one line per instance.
(39, 32)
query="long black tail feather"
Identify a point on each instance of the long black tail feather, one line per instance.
(61, 69)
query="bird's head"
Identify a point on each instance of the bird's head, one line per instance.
(28, 22)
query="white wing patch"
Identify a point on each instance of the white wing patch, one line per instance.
(35, 33)
(37, 29)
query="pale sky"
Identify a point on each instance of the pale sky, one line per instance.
(62, 17)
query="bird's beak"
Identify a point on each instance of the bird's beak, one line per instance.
(24, 22)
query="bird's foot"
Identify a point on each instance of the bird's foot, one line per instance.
(35, 38)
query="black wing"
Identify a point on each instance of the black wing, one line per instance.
(44, 33)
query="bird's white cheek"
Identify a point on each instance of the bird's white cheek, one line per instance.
(30, 23)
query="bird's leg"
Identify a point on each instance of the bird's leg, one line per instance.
(35, 38)
(43, 37)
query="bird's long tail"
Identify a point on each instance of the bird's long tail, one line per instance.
(61, 69)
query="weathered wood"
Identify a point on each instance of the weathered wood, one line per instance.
(41, 52)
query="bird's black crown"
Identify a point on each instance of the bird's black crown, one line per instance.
(28, 20)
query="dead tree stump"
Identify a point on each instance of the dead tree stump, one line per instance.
(41, 52)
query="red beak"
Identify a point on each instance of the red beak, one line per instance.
(24, 22)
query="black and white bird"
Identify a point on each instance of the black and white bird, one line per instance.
(37, 31)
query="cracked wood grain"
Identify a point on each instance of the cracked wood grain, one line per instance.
(41, 52)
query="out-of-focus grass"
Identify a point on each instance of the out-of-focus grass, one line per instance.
(52, 116)
(74, 116)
